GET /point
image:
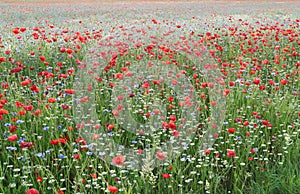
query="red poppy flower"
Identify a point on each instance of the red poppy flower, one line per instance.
(76, 156)
(4, 85)
(118, 160)
(207, 152)
(230, 153)
(14, 119)
(271, 82)
(12, 138)
(160, 156)
(265, 62)
(94, 176)
(213, 103)
(173, 118)
(176, 133)
(231, 84)
(65, 107)
(170, 99)
(32, 191)
(84, 99)
(69, 51)
(26, 144)
(2, 59)
(39, 179)
(51, 100)
(172, 125)
(283, 82)
(15, 31)
(265, 122)
(110, 127)
(22, 112)
(54, 142)
(12, 128)
(37, 112)
(42, 58)
(154, 21)
(216, 135)
(70, 91)
(262, 87)
(231, 130)
(62, 140)
(28, 108)
(60, 192)
(119, 76)
(256, 81)
(34, 88)
(226, 92)
(3, 112)
(22, 29)
(140, 151)
(112, 189)
(166, 176)
(246, 123)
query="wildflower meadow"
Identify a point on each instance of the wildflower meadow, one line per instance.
(150, 97)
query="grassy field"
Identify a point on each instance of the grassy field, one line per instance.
(149, 97)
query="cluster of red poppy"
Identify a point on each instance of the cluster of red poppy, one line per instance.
(256, 60)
